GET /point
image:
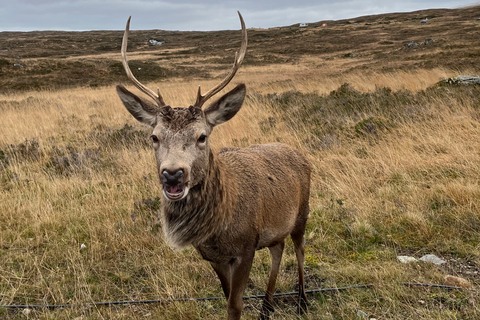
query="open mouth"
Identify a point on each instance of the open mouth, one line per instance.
(174, 192)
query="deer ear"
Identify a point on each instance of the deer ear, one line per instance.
(226, 107)
(140, 109)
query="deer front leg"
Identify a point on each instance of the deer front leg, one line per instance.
(224, 273)
(240, 273)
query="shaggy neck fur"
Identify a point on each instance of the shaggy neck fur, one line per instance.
(204, 211)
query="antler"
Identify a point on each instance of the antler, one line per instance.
(239, 55)
(155, 96)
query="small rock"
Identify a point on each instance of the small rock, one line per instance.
(433, 259)
(457, 282)
(428, 42)
(411, 45)
(362, 315)
(26, 311)
(406, 259)
(154, 42)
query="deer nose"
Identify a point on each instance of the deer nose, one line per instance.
(173, 178)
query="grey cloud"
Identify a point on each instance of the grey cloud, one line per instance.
(25, 15)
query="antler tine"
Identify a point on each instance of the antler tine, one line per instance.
(239, 55)
(156, 97)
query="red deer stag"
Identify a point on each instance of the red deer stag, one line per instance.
(227, 204)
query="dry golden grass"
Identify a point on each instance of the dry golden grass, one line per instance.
(76, 169)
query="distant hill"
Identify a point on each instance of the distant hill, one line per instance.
(450, 38)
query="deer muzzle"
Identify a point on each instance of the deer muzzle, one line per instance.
(173, 182)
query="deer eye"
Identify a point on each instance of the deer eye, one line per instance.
(202, 138)
(154, 138)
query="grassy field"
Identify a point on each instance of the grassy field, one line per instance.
(396, 160)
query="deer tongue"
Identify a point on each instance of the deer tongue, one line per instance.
(174, 192)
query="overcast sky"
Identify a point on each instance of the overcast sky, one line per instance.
(200, 15)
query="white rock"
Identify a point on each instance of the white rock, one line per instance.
(26, 311)
(406, 259)
(362, 315)
(433, 259)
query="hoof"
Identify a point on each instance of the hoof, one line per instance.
(302, 306)
(266, 309)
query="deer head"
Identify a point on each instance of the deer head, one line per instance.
(180, 136)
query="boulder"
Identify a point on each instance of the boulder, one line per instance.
(462, 81)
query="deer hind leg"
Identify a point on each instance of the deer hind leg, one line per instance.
(298, 238)
(276, 252)
(239, 278)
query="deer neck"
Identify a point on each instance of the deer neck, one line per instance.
(204, 211)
